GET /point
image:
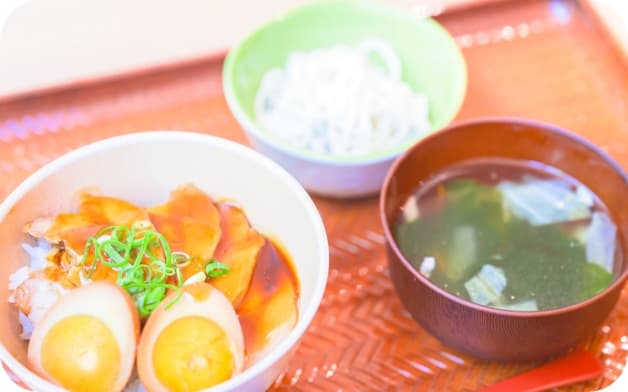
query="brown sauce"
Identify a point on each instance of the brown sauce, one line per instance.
(271, 301)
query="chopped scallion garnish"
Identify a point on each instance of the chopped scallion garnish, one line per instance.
(144, 262)
(216, 269)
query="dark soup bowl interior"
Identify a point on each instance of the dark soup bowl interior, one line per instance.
(487, 332)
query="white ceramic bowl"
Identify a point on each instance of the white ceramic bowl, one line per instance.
(143, 168)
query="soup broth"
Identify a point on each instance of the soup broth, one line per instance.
(510, 234)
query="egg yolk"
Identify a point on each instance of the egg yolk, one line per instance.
(192, 353)
(82, 354)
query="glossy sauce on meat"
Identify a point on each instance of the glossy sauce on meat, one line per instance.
(261, 285)
(269, 308)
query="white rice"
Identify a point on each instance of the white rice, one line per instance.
(37, 253)
(44, 293)
(27, 325)
(37, 261)
(16, 279)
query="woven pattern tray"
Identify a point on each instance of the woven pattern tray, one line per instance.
(539, 59)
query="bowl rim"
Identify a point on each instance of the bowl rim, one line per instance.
(250, 125)
(518, 121)
(306, 313)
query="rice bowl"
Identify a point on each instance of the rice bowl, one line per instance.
(191, 154)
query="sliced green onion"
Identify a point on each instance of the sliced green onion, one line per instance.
(216, 269)
(144, 262)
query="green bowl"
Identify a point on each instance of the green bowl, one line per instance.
(432, 64)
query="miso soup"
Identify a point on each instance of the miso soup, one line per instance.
(509, 234)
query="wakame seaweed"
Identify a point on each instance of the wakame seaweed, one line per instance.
(464, 225)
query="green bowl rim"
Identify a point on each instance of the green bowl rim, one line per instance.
(250, 125)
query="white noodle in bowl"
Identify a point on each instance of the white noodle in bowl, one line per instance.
(342, 100)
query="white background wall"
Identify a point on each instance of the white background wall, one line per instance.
(45, 43)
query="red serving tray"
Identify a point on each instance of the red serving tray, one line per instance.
(540, 59)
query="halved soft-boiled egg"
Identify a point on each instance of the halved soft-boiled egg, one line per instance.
(87, 340)
(192, 341)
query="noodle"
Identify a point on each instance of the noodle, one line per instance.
(342, 100)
